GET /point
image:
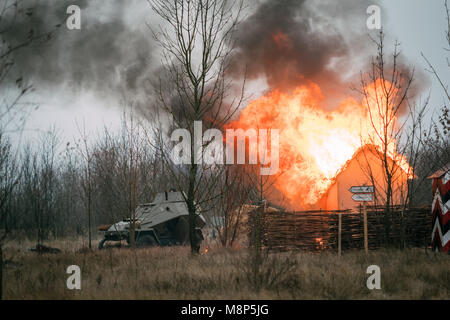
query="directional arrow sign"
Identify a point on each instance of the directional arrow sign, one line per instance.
(362, 197)
(362, 189)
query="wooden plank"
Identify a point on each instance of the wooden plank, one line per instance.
(366, 242)
(340, 235)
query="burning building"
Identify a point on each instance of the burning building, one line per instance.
(322, 127)
(323, 152)
(364, 168)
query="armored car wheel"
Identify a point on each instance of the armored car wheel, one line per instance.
(182, 231)
(146, 240)
(101, 244)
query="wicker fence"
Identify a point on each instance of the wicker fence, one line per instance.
(318, 230)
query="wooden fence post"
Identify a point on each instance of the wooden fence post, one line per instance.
(366, 242)
(340, 235)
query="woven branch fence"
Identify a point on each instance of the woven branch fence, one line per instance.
(318, 230)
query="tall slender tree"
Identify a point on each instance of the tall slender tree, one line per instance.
(196, 40)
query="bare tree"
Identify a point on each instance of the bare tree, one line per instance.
(39, 185)
(85, 151)
(8, 180)
(41, 181)
(430, 65)
(126, 172)
(131, 160)
(13, 86)
(385, 90)
(437, 138)
(13, 13)
(196, 43)
(227, 211)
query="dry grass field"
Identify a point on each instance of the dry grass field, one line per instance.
(172, 273)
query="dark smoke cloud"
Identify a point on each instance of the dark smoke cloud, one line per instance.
(292, 42)
(110, 54)
(289, 42)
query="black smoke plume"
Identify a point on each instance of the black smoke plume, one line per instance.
(110, 54)
(294, 42)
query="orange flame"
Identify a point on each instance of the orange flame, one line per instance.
(319, 241)
(314, 144)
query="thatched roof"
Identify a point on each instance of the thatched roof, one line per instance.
(440, 172)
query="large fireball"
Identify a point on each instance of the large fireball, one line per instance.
(314, 143)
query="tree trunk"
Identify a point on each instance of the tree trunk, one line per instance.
(132, 232)
(133, 211)
(402, 230)
(195, 247)
(89, 218)
(256, 252)
(387, 218)
(1, 271)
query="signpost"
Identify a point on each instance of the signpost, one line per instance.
(362, 189)
(364, 197)
(363, 194)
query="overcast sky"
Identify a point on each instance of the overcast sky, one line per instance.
(419, 25)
